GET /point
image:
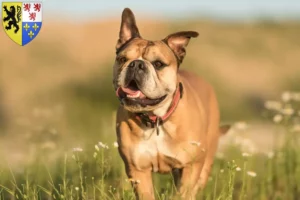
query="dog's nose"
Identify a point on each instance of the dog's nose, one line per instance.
(139, 64)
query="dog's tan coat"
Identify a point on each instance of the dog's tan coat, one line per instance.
(187, 140)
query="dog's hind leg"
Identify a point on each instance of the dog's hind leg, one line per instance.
(210, 158)
(211, 150)
(214, 132)
(204, 174)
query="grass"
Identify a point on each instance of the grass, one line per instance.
(95, 171)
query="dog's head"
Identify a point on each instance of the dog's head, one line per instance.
(145, 72)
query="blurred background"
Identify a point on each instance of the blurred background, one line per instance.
(56, 92)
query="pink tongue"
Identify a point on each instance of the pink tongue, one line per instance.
(130, 91)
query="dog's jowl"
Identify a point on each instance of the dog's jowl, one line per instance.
(168, 118)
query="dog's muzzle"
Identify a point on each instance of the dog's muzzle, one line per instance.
(136, 71)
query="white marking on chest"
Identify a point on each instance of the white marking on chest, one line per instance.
(147, 149)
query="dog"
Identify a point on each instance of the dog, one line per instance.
(168, 118)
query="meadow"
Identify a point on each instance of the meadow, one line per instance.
(57, 110)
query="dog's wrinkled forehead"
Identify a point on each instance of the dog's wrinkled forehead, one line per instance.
(136, 46)
(139, 48)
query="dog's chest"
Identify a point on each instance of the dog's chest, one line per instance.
(157, 151)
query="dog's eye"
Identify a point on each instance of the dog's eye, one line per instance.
(122, 60)
(157, 64)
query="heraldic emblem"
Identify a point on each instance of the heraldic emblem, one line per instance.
(22, 21)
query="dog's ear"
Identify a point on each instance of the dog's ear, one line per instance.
(128, 28)
(179, 41)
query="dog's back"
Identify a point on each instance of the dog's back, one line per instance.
(204, 91)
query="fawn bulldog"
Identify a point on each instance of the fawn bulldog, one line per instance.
(168, 120)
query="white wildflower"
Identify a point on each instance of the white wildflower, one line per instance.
(195, 143)
(241, 125)
(102, 145)
(76, 188)
(246, 154)
(251, 173)
(277, 118)
(77, 149)
(95, 154)
(273, 105)
(287, 111)
(115, 144)
(238, 169)
(270, 154)
(222, 170)
(97, 147)
(135, 181)
(286, 96)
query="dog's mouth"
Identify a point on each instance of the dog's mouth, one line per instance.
(131, 94)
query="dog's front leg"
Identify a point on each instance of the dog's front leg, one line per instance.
(142, 183)
(188, 178)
